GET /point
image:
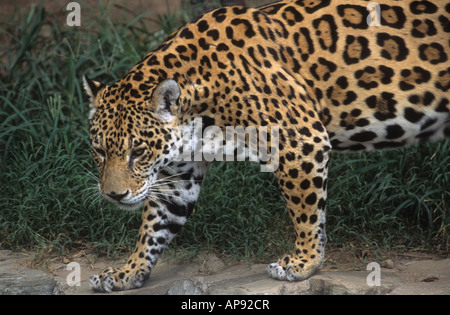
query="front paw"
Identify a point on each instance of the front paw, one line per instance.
(118, 279)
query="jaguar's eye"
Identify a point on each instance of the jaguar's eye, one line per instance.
(137, 153)
(99, 151)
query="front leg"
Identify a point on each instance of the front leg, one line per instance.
(302, 176)
(155, 233)
(170, 202)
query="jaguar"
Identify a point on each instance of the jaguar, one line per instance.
(330, 75)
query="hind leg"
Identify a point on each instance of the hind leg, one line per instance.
(302, 176)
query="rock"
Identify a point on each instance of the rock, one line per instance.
(430, 277)
(256, 282)
(210, 264)
(422, 277)
(18, 280)
(28, 282)
(197, 286)
(259, 284)
(210, 276)
(350, 283)
(388, 264)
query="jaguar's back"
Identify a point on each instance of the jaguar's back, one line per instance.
(379, 71)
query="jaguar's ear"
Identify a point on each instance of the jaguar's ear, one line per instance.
(92, 88)
(164, 99)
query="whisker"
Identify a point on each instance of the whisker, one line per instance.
(167, 178)
(90, 174)
(166, 195)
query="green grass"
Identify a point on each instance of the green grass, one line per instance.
(240, 213)
(391, 200)
(49, 196)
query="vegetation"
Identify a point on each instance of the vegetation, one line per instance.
(49, 197)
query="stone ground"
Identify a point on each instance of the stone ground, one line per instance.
(209, 275)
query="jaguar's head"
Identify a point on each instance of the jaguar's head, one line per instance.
(133, 134)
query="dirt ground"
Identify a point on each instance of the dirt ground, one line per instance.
(344, 272)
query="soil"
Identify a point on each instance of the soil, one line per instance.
(343, 273)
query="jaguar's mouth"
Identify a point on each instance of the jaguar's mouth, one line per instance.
(128, 206)
(125, 201)
(125, 204)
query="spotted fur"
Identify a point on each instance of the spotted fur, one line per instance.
(314, 68)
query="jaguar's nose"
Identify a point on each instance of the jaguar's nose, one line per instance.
(116, 196)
